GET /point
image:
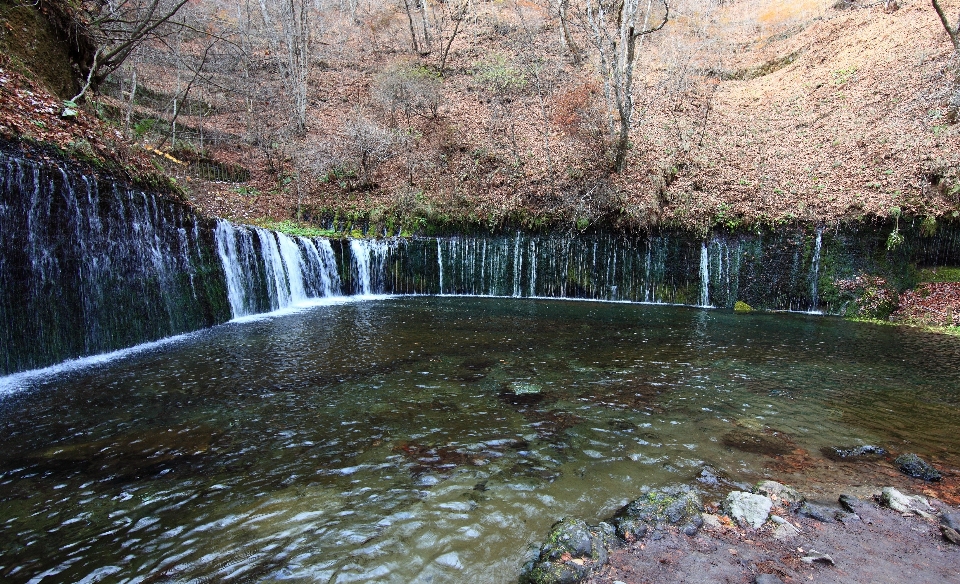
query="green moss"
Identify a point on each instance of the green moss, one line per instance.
(291, 227)
(941, 274)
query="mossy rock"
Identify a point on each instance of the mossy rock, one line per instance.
(741, 307)
(675, 505)
(573, 550)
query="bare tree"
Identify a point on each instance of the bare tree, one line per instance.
(117, 28)
(449, 17)
(287, 25)
(410, 90)
(953, 111)
(616, 31)
(369, 144)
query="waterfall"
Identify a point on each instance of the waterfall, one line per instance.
(704, 276)
(267, 271)
(516, 266)
(91, 266)
(232, 260)
(440, 264)
(815, 270)
(293, 263)
(369, 259)
(322, 277)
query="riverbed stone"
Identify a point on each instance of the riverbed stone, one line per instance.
(767, 579)
(821, 513)
(573, 550)
(674, 505)
(951, 520)
(912, 465)
(778, 491)
(747, 508)
(854, 453)
(913, 504)
(784, 529)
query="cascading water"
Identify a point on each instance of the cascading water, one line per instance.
(815, 270)
(704, 275)
(267, 271)
(88, 266)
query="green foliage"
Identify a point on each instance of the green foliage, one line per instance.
(939, 275)
(867, 296)
(741, 307)
(894, 240)
(928, 227)
(246, 191)
(144, 126)
(724, 217)
(499, 74)
(291, 227)
(842, 76)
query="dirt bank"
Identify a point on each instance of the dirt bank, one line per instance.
(872, 544)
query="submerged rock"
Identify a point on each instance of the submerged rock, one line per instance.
(748, 509)
(775, 490)
(854, 453)
(572, 552)
(676, 505)
(913, 465)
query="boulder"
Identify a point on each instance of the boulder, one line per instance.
(675, 505)
(913, 465)
(951, 520)
(821, 513)
(747, 508)
(572, 552)
(907, 504)
(778, 491)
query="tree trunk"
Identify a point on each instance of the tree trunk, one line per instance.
(413, 32)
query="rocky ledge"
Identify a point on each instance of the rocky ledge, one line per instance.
(772, 534)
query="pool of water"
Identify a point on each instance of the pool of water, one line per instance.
(425, 439)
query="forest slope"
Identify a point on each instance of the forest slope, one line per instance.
(751, 113)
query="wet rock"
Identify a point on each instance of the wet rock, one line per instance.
(784, 529)
(850, 503)
(821, 513)
(747, 508)
(572, 552)
(951, 520)
(950, 534)
(769, 443)
(854, 453)
(693, 526)
(815, 557)
(778, 491)
(767, 579)
(907, 504)
(676, 505)
(914, 466)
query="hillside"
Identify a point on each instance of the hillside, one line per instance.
(753, 113)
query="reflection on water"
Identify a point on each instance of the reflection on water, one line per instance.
(434, 439)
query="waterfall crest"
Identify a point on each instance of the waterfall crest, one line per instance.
(89, 266)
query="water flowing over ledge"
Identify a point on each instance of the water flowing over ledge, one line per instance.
(90, 266)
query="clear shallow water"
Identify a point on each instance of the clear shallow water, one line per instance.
(432, 439)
